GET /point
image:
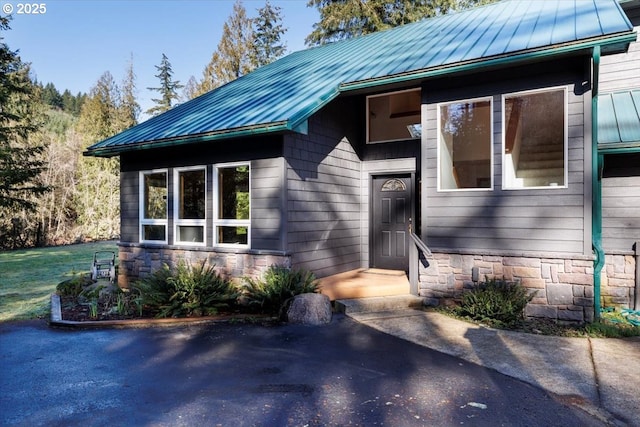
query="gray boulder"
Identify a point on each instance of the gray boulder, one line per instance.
(310, 309)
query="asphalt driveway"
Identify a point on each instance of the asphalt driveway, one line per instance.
(251, 375)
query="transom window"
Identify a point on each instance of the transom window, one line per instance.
(535, 139)
(232, 218)
(153, 206)
(190, 205)
(465, 145)
(394, 116)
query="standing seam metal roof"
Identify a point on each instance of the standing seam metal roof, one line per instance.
(619, 119)
(281, 95)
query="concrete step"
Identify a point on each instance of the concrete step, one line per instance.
(378, 304)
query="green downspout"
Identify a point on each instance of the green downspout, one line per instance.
(596, 202)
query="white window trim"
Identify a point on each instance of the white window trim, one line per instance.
(368, 141)
(176, 208)
(216, 208)
(145, 221)
(505, 185)
(439, 137)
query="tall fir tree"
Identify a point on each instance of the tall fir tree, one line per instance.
(343, 19)
(232, 58)
(168, 88)
(267, 37)
(20, 116)
(129, 108)
(21, 154)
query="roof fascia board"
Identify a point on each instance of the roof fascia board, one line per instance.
(235, 133)
(496, 61)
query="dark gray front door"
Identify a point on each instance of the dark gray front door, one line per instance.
(391, 203)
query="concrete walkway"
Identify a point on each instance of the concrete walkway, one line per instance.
(602, 376)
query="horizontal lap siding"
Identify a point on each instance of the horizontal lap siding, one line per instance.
(267, 180)
(129, 207)
(621, 71)
(621, 193)
(267, 203)
(323, 194)
(621, 212)
(544, 220)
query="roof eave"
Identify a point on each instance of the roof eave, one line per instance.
(622, 39)
(261, 129)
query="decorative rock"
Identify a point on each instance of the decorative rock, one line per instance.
(310, 309)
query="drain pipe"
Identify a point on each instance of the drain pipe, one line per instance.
(596, 202)
(636, 304)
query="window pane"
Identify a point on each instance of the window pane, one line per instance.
(155, 195)
(190, 233)
(154, 232)
(233, 235)
(234, 192)
(534, 140)
(192, 195)
(395, 116)
(465, 145)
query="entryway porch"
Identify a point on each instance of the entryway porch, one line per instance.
(365, 283)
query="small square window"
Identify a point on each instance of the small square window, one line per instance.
(535, 140)
(465, 145)
(394, 116)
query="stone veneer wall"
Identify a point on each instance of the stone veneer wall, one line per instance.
(140, 261)
(618, 283)
(563, 286)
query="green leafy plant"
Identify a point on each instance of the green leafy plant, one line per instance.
(278, 286)
(496, 300)
(74, 286)
(93, 308)
(186, 290)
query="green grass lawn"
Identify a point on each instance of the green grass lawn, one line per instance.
(28, 277)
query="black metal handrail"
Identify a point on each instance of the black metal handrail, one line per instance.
(420, 244)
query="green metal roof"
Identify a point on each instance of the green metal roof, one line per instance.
(619, 120)
(283, 95)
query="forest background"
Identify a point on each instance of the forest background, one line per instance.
(50, 194)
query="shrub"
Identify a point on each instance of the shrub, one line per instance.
(186, 291)
(497, 300)
(279, 285)
(74, 286)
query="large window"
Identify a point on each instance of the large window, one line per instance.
(190, 205)
(535, 139)
(232, 219)
(394, 116)
(464, 145)
(153, 206)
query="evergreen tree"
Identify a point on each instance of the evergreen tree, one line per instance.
(343, 19)
(129, 107)
(51, 96)
(232, 58)
(20, 162)
(168, 88)
(267, 42)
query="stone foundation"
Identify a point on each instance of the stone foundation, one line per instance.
(618, 280)
(563, 286)
(137, 261)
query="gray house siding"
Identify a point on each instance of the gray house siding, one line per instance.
(520, 221)
(621, 175)
(267, 176)
(621, 202)
(622, 71)
(323, 192)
